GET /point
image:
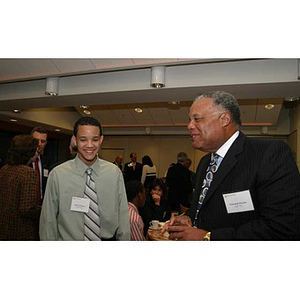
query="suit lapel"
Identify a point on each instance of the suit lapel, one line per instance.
(228, 162)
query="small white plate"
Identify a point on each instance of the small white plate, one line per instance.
(159, 228)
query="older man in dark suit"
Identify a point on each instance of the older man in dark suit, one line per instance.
(246, 188)
(179, 184)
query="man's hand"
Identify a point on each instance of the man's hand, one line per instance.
(180, 229)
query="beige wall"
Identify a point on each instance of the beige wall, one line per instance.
(163, 150)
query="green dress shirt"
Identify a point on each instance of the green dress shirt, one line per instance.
(59, 222)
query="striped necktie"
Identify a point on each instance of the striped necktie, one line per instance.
(210, 171)
(91, 218)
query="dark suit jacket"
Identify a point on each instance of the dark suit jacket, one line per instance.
(130, 174)
(268, 170)
(179, 184)
(45, 172)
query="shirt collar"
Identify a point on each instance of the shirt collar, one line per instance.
(82, 166)
(133, 207)
(225, 147)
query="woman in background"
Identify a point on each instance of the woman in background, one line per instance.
(149, 171)
(19, 192)
(156, 206)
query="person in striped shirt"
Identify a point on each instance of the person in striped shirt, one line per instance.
(136, 198)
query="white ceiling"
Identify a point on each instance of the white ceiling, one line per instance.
(112, 88)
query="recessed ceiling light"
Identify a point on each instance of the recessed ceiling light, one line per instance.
(57, 129)
(85, 109)
(17, 111)
(174, 102)
(291, 99)
(138, 110)
(269, 106)
(13, 120)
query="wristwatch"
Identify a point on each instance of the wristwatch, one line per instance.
(207, 236)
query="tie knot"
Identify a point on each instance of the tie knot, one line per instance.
(89, 171)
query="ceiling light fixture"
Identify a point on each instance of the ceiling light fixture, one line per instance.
(52, 86)
(174, 102)
(269, 106)
(158, 77)
(13, 120)
(291, 99)
(85, 109)
(17, 111)
(138, 110)
(291, 102)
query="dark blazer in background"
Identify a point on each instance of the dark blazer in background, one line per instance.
(130, 174)
(44, 172)
(179, 185)
(268, 170)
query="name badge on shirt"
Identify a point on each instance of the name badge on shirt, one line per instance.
(80, 204)
(46, 172)
(238, 202)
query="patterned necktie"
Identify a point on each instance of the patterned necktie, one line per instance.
(91, 218)
(37, 168)
(210, 171)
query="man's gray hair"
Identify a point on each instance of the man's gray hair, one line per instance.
(227, 102)
(181, 157)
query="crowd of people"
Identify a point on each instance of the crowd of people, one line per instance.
(243, 189)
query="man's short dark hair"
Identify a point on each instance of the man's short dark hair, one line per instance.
(86, 121)
(39, 129)
(133, 187)
(132, 154)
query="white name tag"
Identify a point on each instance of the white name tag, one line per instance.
(46, 172)
(80, 204)
(238, 202)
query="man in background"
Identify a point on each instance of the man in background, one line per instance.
(118, 162)
(133, 169)
(136, 197)
(179, 184)
(41, 164)
(72, 154)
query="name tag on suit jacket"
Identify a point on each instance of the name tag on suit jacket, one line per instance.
(238, 202)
